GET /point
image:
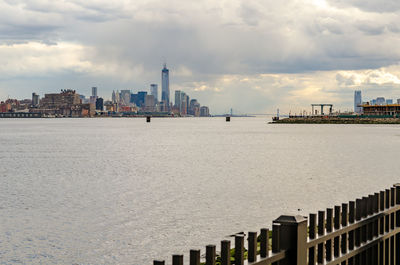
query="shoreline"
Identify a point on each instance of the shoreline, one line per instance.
(336, 120)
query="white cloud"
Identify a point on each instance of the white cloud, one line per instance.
(367, 77)
(32, 58)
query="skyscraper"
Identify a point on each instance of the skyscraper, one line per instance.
(35, 100)
(126, 97)
(94, 91)
(149, 103)
(357, 101)
(141, 97)
(154, 91)
(165, 85)
(178, 98)
(186, 103)
(135, 99)
(114, 97)
(99, 104)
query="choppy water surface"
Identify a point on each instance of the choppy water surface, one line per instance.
(121, 191)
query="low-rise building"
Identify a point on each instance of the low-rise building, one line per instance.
(381, 110)
(66, 104)
(5, 107)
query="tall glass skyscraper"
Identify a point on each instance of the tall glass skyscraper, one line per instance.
(154, 91)
(165, 85)
(94, 91)
(357, 101)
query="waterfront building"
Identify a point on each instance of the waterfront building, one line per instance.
(125, 97)
(141, 98)
(83, 99)
(115, 97)
(357, 102)
(187, 101)
(135, 99)
(184, 106)
(149, 103)
(382, 110)
(194, 108)
(398, 101)
(67, 103)
(192, 104)
(154, 91)
(178, 99)
(22, 105)
(162, 106)
(181, 102)
(165, 85)
(35, 100)
(204, 111)
(389, 101)
(66, 97)
(92, 100)
(110, 106)
(99, 104)
(5, 107)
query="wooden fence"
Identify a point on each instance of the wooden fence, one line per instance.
(362, 232)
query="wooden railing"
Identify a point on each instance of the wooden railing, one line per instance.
(361, 232)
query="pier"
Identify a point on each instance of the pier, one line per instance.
(20, 115)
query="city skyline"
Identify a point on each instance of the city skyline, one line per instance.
(124, 101)
(70, 103)
(250, 56)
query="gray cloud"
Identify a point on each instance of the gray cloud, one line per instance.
(129, 40)
(369, 5)
(247, 38)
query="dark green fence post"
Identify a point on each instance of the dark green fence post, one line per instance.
(195, 257)
(225, 252)
(177, 260)
(239, 250)
(252, 247)
(210, 255)
(264, 242)
(293, 238)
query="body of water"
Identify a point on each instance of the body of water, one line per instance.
(123, 191)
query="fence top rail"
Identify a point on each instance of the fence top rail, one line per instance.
(363, 247)
(351, 227)
(273, 257)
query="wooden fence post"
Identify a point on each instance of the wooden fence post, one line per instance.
(293, 238)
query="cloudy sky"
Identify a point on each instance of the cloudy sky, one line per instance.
(252, 56)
